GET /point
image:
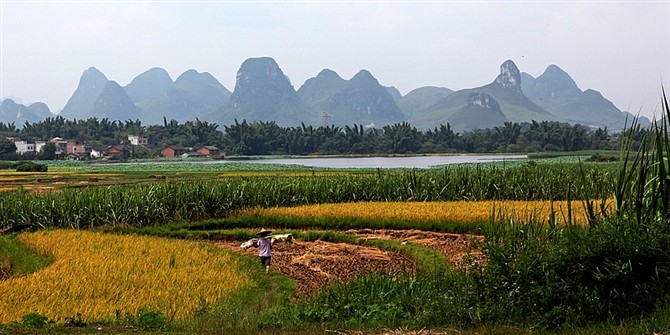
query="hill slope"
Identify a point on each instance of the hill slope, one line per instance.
(505, 89)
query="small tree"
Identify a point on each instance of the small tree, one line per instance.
(47, 152)
(7, 148)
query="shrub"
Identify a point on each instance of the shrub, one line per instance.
(7, 165)
(151, 320)
(35, 320)
(31, 167)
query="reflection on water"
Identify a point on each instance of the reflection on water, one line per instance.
(388, 162)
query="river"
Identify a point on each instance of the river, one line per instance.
(385, 162)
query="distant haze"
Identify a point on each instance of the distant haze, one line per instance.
(619, 48)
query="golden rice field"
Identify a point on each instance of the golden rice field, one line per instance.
(96, 274)
(449, 211)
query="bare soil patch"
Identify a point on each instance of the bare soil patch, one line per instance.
(454, 247)
(316, 264)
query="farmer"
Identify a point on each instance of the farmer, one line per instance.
(264, 244)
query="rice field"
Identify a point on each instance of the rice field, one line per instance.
(98, 274)
(447, 211)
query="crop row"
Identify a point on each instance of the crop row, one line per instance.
(159, 202)
(562, 212)
(97, 274)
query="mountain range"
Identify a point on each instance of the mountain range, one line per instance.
(264, 93)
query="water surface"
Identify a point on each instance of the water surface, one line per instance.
(387, 162)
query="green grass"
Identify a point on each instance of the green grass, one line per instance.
(19, 258)
(581, 153)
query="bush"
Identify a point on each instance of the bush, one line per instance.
(562, 276)
(7, 165)
(151, 320)
(35, 320)
(31, 167)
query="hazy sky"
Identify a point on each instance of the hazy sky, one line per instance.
(620, 48)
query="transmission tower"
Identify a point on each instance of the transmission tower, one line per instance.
(326, 119)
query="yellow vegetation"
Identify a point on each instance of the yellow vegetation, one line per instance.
(97, 274)
(450, 211)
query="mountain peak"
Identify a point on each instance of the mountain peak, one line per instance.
(509, 76)
(80, 104)
(328, 74)
(555, 74)
(364, 75)
(93, 71)
(188, 74)
(263, 93)
(93, 76)
(554, 69)
(254, 70)
(149, 84)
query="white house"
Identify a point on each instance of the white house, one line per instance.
(137, 140)
(96, 153)
(22, 147)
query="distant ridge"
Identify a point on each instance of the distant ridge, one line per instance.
(360, 100)
(505, 90)
(557, 92)
(192, 95)
(19, 114)
(264, 93)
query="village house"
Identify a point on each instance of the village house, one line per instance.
(193, 154)
(97, 153)
(172, 151)
(209, 151)
(81, 149)
(137, 140)
(22, 147)
(123, 150)
(61, 146)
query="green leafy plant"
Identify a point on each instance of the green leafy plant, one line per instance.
(151, 319)
(35, 320)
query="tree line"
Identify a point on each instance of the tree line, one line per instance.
(268, 138)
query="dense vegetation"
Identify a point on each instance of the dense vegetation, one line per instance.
(263, 138)
(616, 269)
(163, 201)
(613, 271)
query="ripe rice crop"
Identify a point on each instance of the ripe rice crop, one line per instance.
(448, 211)
(97, 274)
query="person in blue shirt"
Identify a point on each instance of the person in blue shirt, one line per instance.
(264, 244)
